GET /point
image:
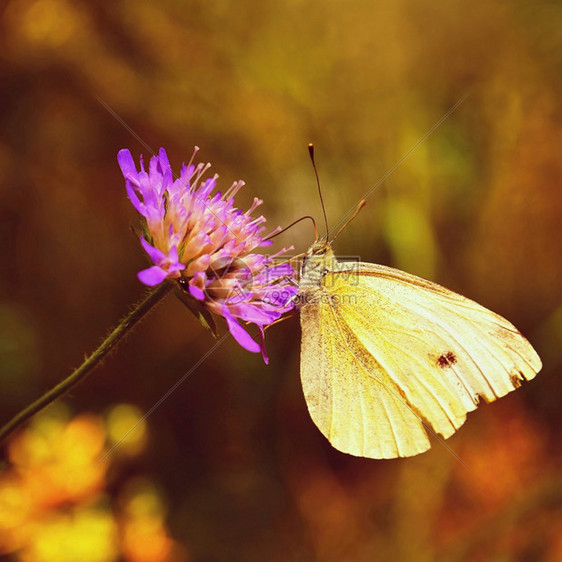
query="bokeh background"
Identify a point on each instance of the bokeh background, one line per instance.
(231, 467)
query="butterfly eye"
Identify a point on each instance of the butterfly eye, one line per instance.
(319, 248)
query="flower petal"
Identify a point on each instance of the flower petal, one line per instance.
(262, 345)
(156, 255)
(126, 163)
(196, 292)
(139, 206)
(251, 313)
(152, 276)
(238, 333)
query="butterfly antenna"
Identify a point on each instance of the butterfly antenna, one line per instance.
(293, 224)
(311, 153)
(361, 204)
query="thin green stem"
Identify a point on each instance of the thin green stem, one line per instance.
(126, 324)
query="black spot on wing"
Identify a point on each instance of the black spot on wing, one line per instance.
(516, 378)
(479, 398)
(446, 359)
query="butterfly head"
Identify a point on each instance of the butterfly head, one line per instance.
(320, 248)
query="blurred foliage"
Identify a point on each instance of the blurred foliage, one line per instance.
(477, 206)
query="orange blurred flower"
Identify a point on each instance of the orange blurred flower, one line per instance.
(53, 504)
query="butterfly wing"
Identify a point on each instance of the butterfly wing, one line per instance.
(349, 395)
(385, 352)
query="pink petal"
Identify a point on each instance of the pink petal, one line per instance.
(152, 276)
(126, 163)
(263, 349)
(197, 286)
(173, 255)
(139, 206)
(165, 167)
(196, 292)
(251, 313)
(156, 255)
(239, 334)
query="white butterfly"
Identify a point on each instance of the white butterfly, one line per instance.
(385, 353)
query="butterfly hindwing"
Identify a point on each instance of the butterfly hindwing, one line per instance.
(349, 395)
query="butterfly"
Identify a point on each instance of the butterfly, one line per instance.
(388, 358)
(386, 354)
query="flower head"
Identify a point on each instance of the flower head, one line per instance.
(207, 244)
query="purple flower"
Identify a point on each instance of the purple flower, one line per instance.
(206, 244)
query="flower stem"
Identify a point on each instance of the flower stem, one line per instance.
(126, 324)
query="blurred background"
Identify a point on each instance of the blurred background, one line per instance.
(230, 466)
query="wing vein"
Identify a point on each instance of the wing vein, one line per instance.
(389, 390)
(453, 335)
(419, 379)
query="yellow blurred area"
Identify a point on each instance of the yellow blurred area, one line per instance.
(43, 23)
(16, 509)
(144, 534)
(53, 500)
(126, 428)
(85, 534)
(58, 460)
(236, 469)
